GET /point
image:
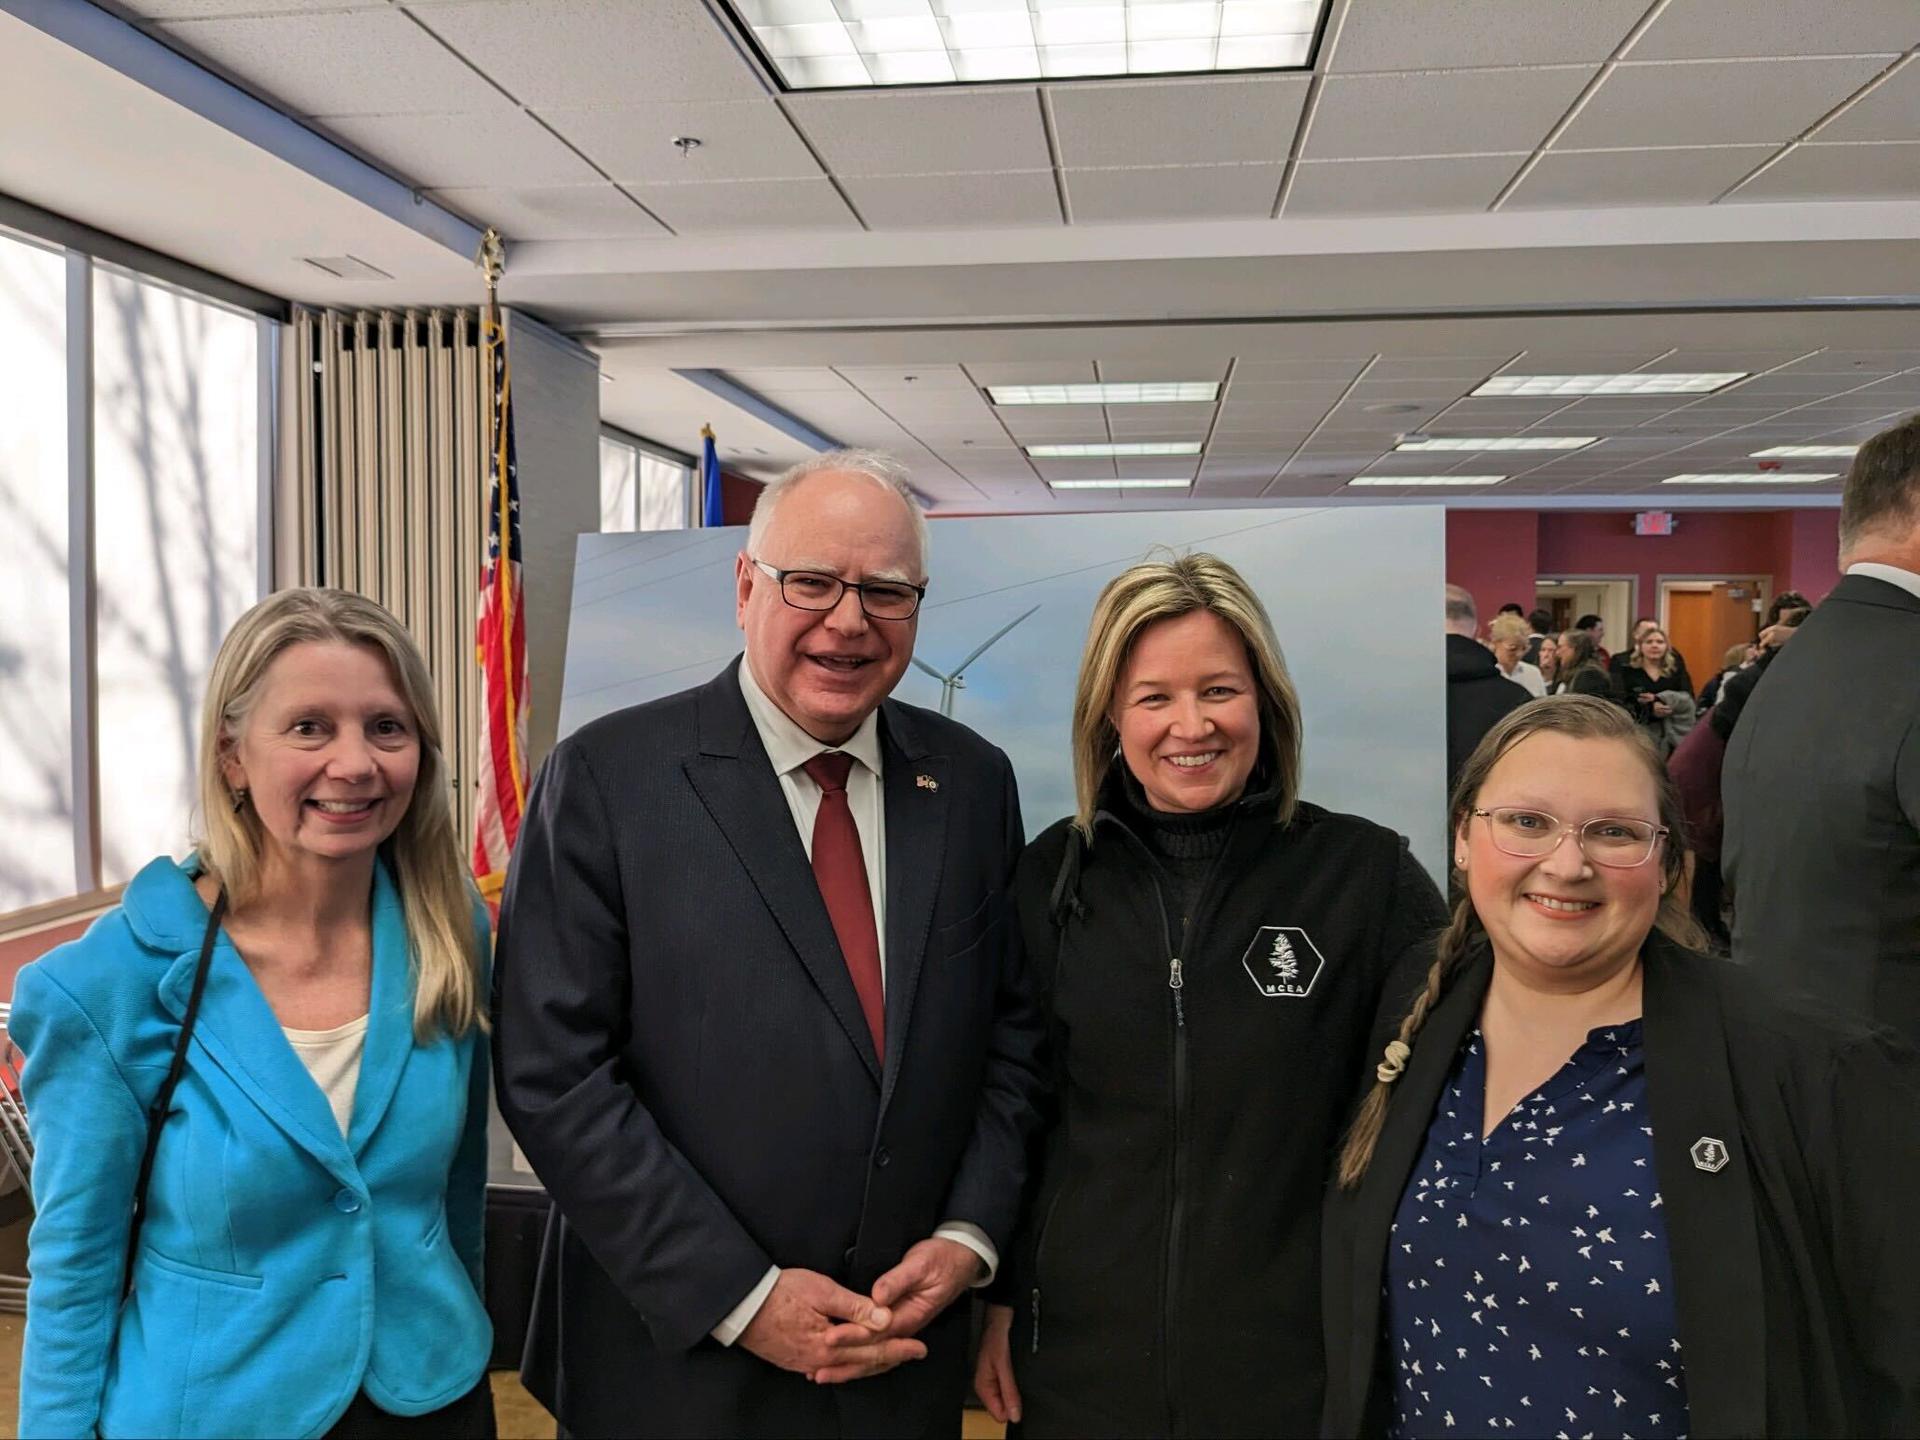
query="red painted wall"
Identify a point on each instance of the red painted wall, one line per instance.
(738, 496)
(1497, 554)
(1493, 553)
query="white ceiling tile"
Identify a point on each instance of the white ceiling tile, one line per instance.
(924, 132)
(1443, 112)
(1184, 122)
(503, 148)
(924, 202)
(1889, 111)
(1717, 29)
(766, 379)
(916, 379)
(739, 140)
(567, 212)
(1575, 179)
(1141, 427)
(1449, 34)
(1714, 102)
(1838, 172)
(1399, 187)
(1165, 363)
(749, 205)
(1474, 368)
(361, 62)
(150, 10)
(1075, 469)
(1032, 372)
(1172, 192)
(597, 52)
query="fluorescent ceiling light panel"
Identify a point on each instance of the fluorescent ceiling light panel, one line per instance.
(1637, 383)
(1391, 480)
(1807, 452)
(1168, 392)
(838, 44)
(1101, 452)
(1746, 479)
(1119, 484)
(1490, 442)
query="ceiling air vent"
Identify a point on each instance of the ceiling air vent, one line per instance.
(346, 267)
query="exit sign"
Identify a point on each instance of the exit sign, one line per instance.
(1653, 522)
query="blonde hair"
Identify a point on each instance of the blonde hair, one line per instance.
(1583, 717)
(1667, 663)
(1157, 590)
(435, 894)
(1505, 628)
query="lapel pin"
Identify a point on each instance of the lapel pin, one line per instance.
(926, 782)
(1709, 1154)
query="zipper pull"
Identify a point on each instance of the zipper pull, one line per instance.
(1034, 1348)
(1176, 982)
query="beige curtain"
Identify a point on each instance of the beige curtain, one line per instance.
(386, 427)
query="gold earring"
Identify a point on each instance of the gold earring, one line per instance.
(239, 801)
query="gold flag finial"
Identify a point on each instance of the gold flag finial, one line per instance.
(706, 432)
(491, 257)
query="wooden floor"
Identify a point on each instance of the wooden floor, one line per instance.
(521, 1416)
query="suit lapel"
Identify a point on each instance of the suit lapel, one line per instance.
(389, 1042)
(1714, 1239)
(916, 796)
(1416, 1092)
(239, 1031)
(735, 781)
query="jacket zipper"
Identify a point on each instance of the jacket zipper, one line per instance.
(1039, 1249)
(1176, 1215)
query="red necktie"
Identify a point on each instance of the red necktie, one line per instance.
(840, 869)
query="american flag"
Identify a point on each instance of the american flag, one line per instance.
(500, 641)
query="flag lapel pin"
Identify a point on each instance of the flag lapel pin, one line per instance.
(926, 782)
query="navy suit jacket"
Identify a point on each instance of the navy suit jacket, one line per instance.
(682, 1057)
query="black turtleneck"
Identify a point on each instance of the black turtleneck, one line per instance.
(1185, 842)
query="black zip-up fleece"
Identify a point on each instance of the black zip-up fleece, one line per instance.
(1165, 1279)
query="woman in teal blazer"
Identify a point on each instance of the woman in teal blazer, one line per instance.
(310, 1259)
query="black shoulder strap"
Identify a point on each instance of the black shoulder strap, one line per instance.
(163, 1099)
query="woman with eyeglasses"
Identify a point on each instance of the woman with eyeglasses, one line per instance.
(1602, 1184)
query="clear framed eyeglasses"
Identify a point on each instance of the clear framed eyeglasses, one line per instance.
(1617, 841)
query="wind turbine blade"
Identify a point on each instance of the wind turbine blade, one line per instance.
(988, 643)
(929, 669)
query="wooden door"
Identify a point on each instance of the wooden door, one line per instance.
(1702, 623)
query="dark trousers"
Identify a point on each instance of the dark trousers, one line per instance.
(468, 1418)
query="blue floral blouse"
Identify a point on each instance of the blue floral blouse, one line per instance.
(1528, 1287)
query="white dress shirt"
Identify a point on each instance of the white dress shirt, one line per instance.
(1526, 676)
(789, 748)
(1906, 579)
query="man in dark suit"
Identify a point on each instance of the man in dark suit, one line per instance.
(1477, 693)
(761, 1022)
(1821, 780)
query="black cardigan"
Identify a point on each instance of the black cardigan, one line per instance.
(1796, 1275)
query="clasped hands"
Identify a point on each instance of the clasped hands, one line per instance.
(831, 1334)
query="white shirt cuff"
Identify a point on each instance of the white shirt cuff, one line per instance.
(975, 1239)
(741, 1316)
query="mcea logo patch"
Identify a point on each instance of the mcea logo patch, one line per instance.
(1282, 962)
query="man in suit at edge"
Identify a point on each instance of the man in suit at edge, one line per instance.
(761, 1021)
(1821, 780)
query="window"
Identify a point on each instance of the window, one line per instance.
(643, 488)
(36, 682)
(137, 548)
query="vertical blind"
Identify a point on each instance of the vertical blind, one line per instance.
(389, 430)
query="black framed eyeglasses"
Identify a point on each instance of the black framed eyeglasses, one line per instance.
(813, 590)
(1612, 840)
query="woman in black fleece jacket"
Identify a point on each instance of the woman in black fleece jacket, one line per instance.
(1212, 954)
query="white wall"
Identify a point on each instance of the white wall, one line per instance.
(556, 416)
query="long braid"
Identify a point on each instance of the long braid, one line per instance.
(1450, 949)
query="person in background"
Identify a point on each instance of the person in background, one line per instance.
(1645, 684)
(1540, 623)
(1511, 608)
(1477, 693)
(1619, 664)
(761, 1024)
(306, 1258)
(1212, 952)
(1577, 669)
(1549, 661)
(1602, 1183)
(1739, 656)
(1822, 775)
(1507, 638)
(1597, 628)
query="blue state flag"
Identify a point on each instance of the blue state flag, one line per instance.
(710, 507)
